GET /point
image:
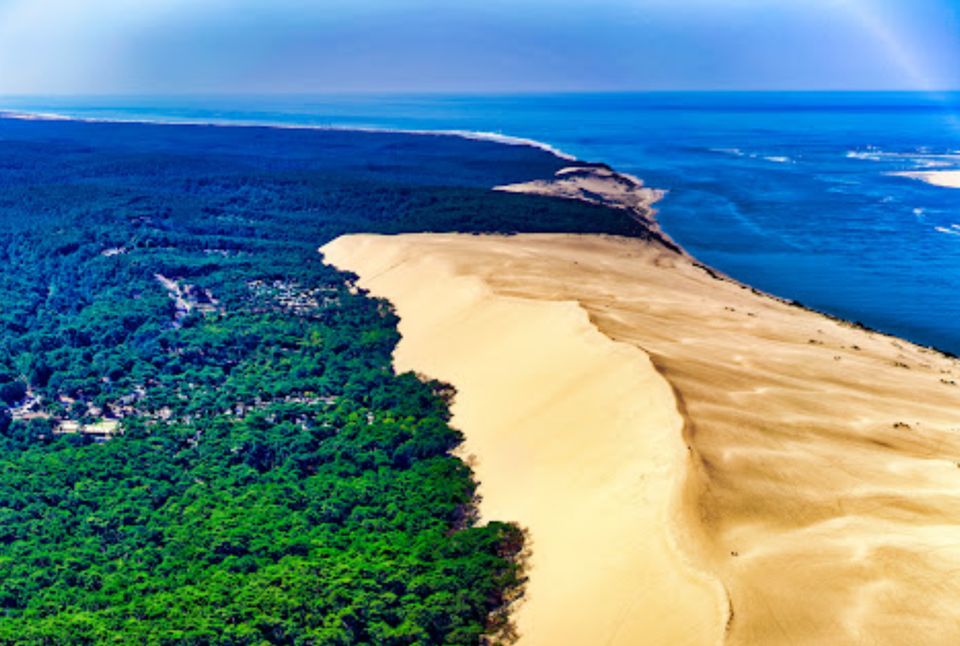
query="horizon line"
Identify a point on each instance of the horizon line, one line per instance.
(544, 92)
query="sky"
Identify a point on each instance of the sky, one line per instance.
(351, 46)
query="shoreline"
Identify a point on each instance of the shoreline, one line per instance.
(822, 457)
(742, 514)
(834, 479)
(491, 137)
(469, 135)
(641, 207)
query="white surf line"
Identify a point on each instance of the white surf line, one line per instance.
(474, 135)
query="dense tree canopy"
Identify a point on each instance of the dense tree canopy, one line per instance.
(269, 477)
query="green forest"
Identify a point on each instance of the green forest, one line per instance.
(202, 438)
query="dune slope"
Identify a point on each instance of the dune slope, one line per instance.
(574, 436)
(823, 480)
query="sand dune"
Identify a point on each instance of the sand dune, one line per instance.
(597, 184)
(575, 436)
(822, 485)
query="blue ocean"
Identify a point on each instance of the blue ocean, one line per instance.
(793, 193)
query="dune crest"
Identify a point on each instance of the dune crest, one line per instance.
(572, 435)
(823, 479)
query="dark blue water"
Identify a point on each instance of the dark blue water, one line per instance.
(791, 193)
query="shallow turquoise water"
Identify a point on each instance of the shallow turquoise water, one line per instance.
(788, 192)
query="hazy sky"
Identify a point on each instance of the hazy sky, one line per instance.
(318, 46)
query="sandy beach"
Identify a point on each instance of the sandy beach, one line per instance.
(822, 465)
(945, 178)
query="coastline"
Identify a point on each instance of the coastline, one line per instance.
(947, 179)
(798, 426)
(598, 184)
(526, 276)
(470, 135)
(821, 456)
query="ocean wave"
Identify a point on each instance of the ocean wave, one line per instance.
(36, 116)
(736, 152)
(739, 152)
(953, 230)
(865, 156)
(496, 137)
(474, 135)
(920, 159)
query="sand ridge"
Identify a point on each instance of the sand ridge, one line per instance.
(823, 480)
(572, 435)
(596, 184)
